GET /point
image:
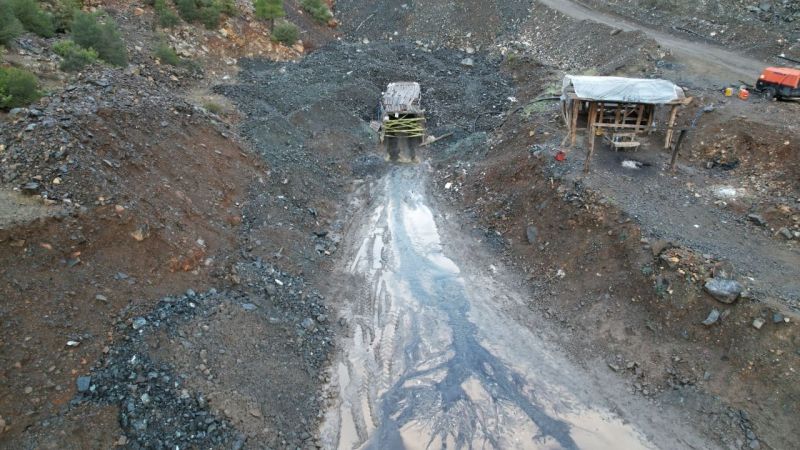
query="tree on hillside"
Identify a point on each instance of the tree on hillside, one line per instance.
(269, 10)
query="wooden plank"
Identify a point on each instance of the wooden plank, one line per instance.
(592, 137)
(576, 109)
(672, 115)
(640, 116)
(676, 149)
(590, 121)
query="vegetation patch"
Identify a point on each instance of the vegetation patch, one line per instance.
(74, 57)
(17, 88)
(207, 12)
(286, 33)
(167, 55)
(318, 10)
(32, 17)
(269, 10)
(165, 15)
(98, 31)
(10, 26)
(62, 12)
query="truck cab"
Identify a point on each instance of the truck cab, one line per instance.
(779, 83)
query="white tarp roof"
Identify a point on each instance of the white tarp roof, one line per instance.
(623, 90)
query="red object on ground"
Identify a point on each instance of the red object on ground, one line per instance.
(744, 94)
(561, 156)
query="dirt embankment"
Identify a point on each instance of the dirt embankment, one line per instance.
(151, 194)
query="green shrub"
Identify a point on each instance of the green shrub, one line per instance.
(188, 10)
(229, 8)
(269, 10)
(98, 31)
(167, 55)
(17, 88)
(207, 12)
(210, 15)
(166, 17)
(212, 107)
(285, 33)
(10, 26)
(32, 17)
(63, 11)
(74, 56)
(318, 10)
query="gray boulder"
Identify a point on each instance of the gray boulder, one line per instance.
(723, 289)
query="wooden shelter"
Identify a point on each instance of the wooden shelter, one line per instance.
(619, 109)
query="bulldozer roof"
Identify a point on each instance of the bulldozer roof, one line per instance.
(402, 97)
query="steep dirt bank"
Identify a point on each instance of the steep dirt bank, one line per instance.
(134, 226)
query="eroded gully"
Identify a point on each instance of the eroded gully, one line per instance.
(432, 363)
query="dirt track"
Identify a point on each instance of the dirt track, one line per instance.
(704, 60)
(432, 360)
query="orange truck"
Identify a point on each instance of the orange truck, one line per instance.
(779, 82)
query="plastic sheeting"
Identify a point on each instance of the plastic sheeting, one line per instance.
(623, 90)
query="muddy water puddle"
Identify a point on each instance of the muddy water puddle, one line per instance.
(431, 364)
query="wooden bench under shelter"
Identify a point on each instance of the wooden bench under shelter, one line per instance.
(620, 109)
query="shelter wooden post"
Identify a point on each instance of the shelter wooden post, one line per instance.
(676, 149)
(639, 118)
(670, 126)
(592, 135)
(576, 110)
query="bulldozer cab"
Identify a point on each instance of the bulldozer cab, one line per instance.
(402, 127)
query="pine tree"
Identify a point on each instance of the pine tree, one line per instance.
(269, 10)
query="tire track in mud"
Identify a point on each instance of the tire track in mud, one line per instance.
(428, 378)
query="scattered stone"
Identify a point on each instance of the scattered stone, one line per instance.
(777, 318)
(712, 318)
(757, 219)
(659, 246)
(30, 188)
(141, 233)
(308, 323)
(139, 323)
(758, 323)
(101, 297)
(73, 343)
(614, 367)
(786, 233)
(723, 289)
(249, 306)
(531, 233)
(83, 383)
(467, 62)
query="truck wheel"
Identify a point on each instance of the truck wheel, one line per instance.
(770, 93)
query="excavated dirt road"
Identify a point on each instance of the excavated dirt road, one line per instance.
(712, 62)
(432, 362)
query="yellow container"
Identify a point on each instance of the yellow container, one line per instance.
(728, 92)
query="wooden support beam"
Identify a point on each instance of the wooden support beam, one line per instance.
(592, 137)
(576, 110)
(676, 149)
(670, 125)
(590, 120)
(640, 116)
